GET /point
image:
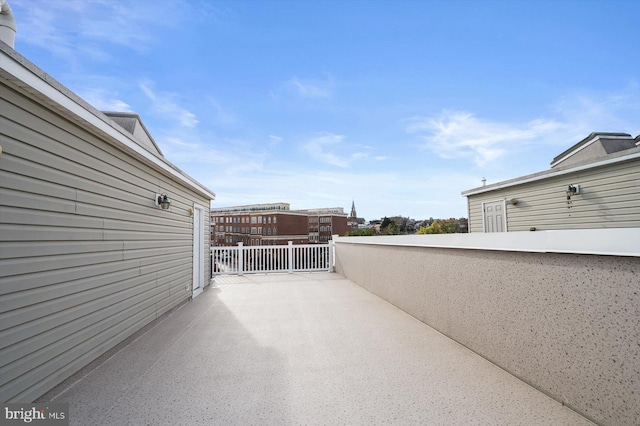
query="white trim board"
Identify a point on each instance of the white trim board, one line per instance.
(609, 241)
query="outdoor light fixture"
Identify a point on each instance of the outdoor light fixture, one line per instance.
(573, 190)
(163, 201)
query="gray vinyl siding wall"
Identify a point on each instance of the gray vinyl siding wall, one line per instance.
(86, 258)
(609, 198)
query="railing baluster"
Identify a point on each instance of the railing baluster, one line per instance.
(268, 259)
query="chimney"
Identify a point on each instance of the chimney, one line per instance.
(7, 24)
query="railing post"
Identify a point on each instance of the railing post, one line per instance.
(290, 256)
(240, 258)
(332, 246)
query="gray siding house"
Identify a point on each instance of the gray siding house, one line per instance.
(593, 184)
(88, 256)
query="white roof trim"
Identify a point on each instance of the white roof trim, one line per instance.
(550, 175)
(25, 75)
(575, 151)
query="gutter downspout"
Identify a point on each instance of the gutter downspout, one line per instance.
(7, 24)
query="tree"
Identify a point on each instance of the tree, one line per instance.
(385, 222)
(388, 227)
(367, 232)
(440, 227)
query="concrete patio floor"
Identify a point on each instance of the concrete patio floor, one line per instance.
(299, 349)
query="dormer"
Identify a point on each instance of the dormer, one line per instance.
(594, 147)
(131, 122)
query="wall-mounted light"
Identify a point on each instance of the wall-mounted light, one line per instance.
(512, 201)
(573, 190)
(162, 201)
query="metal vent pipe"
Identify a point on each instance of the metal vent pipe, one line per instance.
(7, 24)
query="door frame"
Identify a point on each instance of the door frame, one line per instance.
(504, 216)
(198, 255)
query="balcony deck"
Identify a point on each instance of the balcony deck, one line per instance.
(305, 348)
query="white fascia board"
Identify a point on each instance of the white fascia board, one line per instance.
(575, 151)
(29, 78)
(537, 177)
(609, 241)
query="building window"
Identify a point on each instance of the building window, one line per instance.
(274, 230)
(274, 220)
(253, 230)
(269, 220)
(260, 230)
(253, 219)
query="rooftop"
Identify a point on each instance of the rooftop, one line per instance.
(298, 349)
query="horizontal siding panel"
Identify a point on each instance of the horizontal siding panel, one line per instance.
(33, 186)
(68, 278)
(59, 311)
(53, 126)
(18, 216)
(47, 233)
(18, 249)
(50, 313)
(11, 267)
(145, 215)
(28, 201)
(78, 332)
(69, 147)
(68, 184)
(149, 236)
(157, 251)
(141, 245)
(76, 165)
(9, 390)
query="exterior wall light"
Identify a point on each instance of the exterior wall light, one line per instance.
(512, 201)
(163, 201)
(573, 190)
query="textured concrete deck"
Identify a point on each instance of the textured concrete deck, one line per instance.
(300, 349)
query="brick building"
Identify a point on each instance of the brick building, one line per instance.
(274, 224)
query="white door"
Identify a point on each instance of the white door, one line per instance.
(198, 249)
(494, 216)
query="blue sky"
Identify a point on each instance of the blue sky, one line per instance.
(398, 105)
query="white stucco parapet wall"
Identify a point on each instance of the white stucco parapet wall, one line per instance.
(612, 242)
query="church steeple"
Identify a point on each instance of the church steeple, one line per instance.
(353, 214)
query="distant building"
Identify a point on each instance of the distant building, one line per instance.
(275, 224)
(353, 221)
(593, 184)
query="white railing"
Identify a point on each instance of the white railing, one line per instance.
(291, 258)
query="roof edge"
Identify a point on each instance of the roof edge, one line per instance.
(551, 173)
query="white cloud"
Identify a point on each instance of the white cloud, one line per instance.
(310, 89)
(333, 149)
(457, 134)
(318, 147)
(220, 115)
(67, 28)
(165, 104)
(461, 134)
(274, 141)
